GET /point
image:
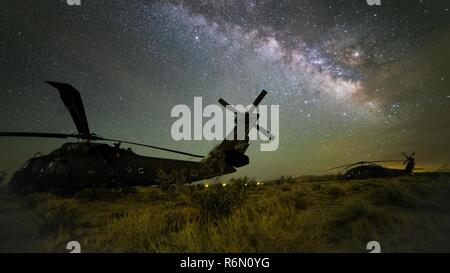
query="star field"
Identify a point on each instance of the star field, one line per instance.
(353, 81)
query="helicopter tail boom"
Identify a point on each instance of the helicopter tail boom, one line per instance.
(231, 151)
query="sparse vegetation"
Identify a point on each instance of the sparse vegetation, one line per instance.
(57, 213)
(286, 215)
(104, 194)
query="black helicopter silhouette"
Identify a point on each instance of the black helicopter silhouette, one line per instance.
(88, 163)
(369, 169)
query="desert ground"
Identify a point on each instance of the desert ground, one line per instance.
(304, 214)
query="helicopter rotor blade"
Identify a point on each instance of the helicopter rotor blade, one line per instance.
(260, 98)
(265, 132)
(228, 106)
(380, 161)
(35, 134)
(257, 101)
(407, 158)
(149, 146)
(72, 100)
(343, 166)
(91, 137)
(354, 164)
(223, 102)
(252, 108)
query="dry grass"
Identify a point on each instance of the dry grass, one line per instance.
(404, 214)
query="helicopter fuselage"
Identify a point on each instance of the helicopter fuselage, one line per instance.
(83, 164)
(373, 171)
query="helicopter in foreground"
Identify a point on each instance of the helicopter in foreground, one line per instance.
(370, 169)
(92, 163)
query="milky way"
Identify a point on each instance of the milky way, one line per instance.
(353, 81)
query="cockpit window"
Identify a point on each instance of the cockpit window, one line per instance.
(51, 167)
(37, 166)
(24, 166)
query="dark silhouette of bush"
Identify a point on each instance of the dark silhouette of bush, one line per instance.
(219, 200)
(57, 213)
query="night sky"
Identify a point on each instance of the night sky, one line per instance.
(353, 81)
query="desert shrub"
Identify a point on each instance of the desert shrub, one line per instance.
(285, 180)
(241, 182)
(57, 213)
(335, 191)
(143, 230)
(443, 177)
(285, 187)
(218, 201)
(317, 186)
(155, 194)
(395, 195)
(443, 199)
(176, 219)
(105, 194)
(268, 226)
(297, 199)
(356, 187)
(407, 179)
(32, 200)
(352, 212)
(128, 190)
(169, 179)
(358, 222)
(136, 230)
(184, 195)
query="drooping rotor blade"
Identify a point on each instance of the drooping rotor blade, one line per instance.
(91, 137)
(260, 98)
(228, 106)
(265, 132)
(354, 164)
(148, 146)
(32, 134)
(257, 101)
(343, 166)
(72, 100)
(223, 102)
(406, 160)
(379, 161)
(251, 109)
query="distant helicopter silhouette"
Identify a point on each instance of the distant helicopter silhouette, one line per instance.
(369, 169)
(77, 165)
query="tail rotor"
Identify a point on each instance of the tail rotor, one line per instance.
(248, 118)
(409, 162)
